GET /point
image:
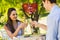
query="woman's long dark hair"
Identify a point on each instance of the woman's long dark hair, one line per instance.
(9, 21)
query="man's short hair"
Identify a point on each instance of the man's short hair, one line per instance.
(51, 1)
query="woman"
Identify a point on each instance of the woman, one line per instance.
(14, 27)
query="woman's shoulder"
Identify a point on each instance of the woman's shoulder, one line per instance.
(5, 27)
(6, 24)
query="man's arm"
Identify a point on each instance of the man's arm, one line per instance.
(59, 31)
(52, 29)
(36, 24)
(42, 26)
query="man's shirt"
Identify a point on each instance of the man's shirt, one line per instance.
(53, 24)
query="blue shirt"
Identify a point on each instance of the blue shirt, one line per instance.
(53, 24)
(20, 32)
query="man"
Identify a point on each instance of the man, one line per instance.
(53, 20)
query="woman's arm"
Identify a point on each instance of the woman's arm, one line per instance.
(10, 34)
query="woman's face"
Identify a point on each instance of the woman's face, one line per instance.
(13, 15)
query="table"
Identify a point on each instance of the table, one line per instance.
(42, 37)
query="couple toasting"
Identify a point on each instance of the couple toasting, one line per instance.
(15, 27)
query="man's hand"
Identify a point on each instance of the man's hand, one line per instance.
(34, 23)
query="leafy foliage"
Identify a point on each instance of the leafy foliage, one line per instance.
(17, 4)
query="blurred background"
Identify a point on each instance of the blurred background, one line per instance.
(17, 4)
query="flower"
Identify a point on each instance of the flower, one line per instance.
(30, 8)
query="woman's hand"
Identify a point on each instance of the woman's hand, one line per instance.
(23, 25)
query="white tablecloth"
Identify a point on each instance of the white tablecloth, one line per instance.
(30, 38)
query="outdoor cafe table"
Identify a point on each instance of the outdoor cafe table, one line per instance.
(41, 37)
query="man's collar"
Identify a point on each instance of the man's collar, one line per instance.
(53, 8)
